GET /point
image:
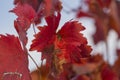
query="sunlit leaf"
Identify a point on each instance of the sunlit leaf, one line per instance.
(13, 59)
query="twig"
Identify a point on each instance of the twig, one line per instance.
(33, 60)
(107, 51)
(34, 28)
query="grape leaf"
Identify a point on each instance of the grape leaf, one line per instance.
(81, 13)
(44, 40)
(25, 11)
(47, 33)
(65, 46)
(13, 59)
(70, 33)
(34, 3)
(93, 65)
(26, 15)
(108, 74)
(51, 6)
(42, 7)
(100, 27)
(68, 40)
(71, 43)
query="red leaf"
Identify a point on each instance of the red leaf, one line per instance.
(34, 3)
(114, 20)
(101, 31)
(57, 5)
(37, 6)
(85, 50)
(51, 6)
(13, 60)
(71, 43)
(26, 15)
(108, 74)
(25, 11)
(47, 33)
(74, 54)
(42, 7)
(104, 3)
(44, 40)
(48, 7)
(96, 58)
(83, 14)
(106, 16)
(70, 33)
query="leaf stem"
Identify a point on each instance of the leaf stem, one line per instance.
(33, 60)
(35, 64)
(34, 28)
(107, 51)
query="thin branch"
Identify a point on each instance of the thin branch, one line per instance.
(33, 60)
(107, 50)
(34, 28)
(35, 64)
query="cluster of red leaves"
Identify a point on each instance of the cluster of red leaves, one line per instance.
(65, 46)
(57, 46)
(95, 69)
(66, 50)
(41, 7)
(30, 12)
(26, 15)
(106, 16)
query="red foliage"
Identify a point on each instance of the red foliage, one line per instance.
(66, 50)
(101, 31)
(26, 16)
(47, 33)
(69, 33)
(13, 59)
(106, 16)
(108, 74)
(42, 7)
(44, 40)
(69, 41)
(24, 11)
(65, 46)
(34, 3)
